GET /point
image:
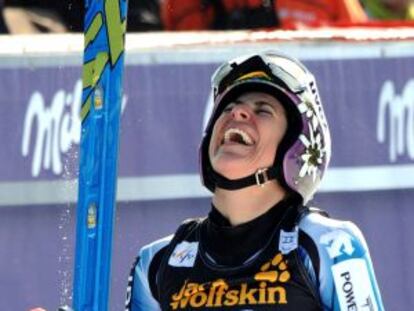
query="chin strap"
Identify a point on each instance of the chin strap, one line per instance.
(260, 178)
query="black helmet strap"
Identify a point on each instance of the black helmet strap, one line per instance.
(259, 178)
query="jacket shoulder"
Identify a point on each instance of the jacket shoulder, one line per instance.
(344, 260)
(141, 280)
(324, 230)
(149, 251)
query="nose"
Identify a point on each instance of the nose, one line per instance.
(240, 112)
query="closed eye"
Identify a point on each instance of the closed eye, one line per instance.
(264, 111)
(264, 108)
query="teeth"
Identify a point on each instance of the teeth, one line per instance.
(235, 134)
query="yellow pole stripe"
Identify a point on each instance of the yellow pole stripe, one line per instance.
(100, 62)
(85, 108)
(93, 29)
(87, 73)
(92, 71)
(115, 29)
(91, 74)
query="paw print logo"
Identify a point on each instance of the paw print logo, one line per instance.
(274, 271)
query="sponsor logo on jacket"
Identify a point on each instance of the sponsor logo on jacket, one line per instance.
(266, 287)
(184, 254)
(353, 287)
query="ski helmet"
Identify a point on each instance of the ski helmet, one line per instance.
(304, 153)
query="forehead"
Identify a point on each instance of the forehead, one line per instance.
(259, 97)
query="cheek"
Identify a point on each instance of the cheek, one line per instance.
(282, 134)
(278, 129)
(282, 129)
(213, 141)
(277, 135)
(216, 128)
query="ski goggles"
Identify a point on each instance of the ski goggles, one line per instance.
(276, 68)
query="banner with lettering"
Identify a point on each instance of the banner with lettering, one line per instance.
(366, 98)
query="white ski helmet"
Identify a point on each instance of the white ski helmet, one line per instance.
(304, 153)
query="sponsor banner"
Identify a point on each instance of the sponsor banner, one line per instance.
(353, 287)
(164, 108)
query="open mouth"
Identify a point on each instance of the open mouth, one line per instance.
(238, 136)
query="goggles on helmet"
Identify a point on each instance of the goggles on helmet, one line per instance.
(279, 69)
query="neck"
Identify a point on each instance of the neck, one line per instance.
(240, 206)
